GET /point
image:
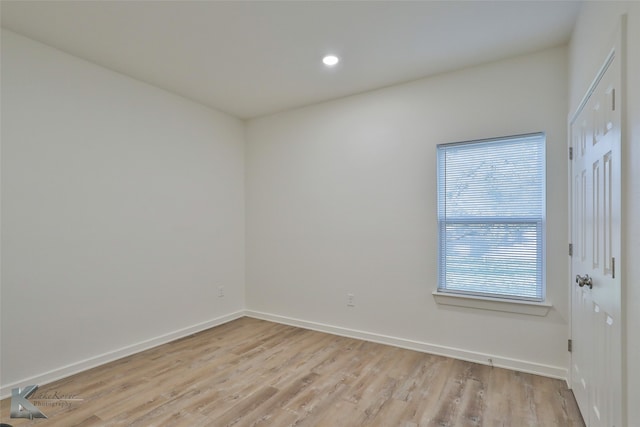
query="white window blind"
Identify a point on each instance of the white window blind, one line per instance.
(491, 217)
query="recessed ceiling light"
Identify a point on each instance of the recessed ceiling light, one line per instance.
(330, 60)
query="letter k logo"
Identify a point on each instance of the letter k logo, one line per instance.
(21, 407)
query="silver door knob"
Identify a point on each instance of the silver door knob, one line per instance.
(584, 281)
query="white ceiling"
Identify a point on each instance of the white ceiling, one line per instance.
(250, 58)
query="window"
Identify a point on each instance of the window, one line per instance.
(491, 217)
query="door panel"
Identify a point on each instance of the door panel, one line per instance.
(596, 363)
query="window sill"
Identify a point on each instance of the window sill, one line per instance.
(494, 304)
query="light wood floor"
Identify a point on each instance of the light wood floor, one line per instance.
(255, 373)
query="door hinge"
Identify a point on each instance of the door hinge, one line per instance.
(613, 268)
(570, 153)
(613, 99)
(570, 249)
(570, 345)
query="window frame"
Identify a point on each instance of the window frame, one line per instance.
(493, 300)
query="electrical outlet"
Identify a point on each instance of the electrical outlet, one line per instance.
(351, 300)
(220, 291)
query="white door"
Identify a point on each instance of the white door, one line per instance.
(596, 364)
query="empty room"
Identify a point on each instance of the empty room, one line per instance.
(320, 213)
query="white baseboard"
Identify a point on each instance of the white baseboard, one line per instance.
(456, 353)
(83, 365)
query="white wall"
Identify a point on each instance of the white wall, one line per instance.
(341, 198)
(591, 41)
(123, 208)
(122, 212)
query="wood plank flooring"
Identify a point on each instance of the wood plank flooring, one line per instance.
(255, 373)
